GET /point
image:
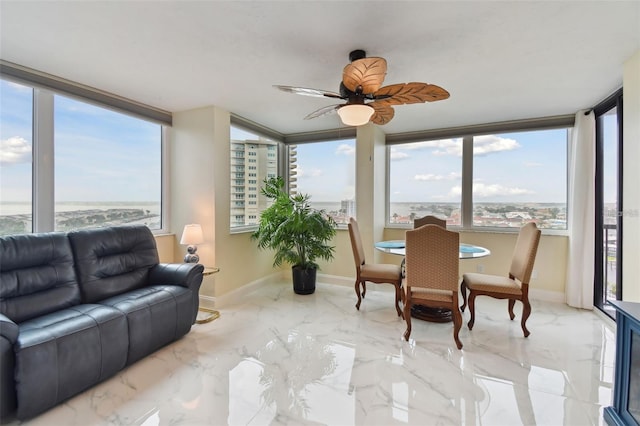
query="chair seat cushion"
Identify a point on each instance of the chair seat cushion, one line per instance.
(157, 315)
(380, 272)
(491, 283)
(429, 294)
(63, 353)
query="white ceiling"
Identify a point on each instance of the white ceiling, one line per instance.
(499, 60)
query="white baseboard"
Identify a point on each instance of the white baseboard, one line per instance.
(237, 295)
(546, 295)
(336, 280)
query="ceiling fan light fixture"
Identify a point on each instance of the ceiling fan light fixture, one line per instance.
(355, 115)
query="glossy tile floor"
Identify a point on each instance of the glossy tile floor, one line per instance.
(284, 359)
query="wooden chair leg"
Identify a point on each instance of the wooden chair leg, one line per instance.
(397, 287)
(463, 290)
(472, 309)
(357, 287)
(512, 302)
(398, 298)
(457, 324)
(407, 318)
(526, 311)
(364, 288)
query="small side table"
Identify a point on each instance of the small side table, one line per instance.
(211, 313)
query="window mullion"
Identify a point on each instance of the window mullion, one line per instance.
(467, 182)
(43, 167)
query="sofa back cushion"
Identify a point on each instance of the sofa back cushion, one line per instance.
(36, 275)
(114, 260)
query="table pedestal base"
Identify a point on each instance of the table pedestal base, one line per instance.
(431, 314)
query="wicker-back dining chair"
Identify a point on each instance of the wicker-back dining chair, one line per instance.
(432, 273)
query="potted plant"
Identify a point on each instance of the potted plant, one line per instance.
(298, 233)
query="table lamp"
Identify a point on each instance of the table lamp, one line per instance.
(192, 236)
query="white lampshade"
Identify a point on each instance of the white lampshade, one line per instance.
(355, 115)
(192, 235)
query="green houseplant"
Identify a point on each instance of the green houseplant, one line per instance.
(298, 233)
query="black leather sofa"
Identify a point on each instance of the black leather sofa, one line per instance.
(77, 307)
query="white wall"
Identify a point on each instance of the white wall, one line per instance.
(631, 180)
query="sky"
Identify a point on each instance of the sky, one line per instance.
(100, 155)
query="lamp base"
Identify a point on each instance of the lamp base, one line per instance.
(191, 256)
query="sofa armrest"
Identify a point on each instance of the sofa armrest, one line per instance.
(184, 274)
(8, 329)
(8, 337)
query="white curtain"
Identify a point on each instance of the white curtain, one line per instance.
(582, 153)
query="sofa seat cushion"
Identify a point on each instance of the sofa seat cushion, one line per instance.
(62, 353)
(156, 315)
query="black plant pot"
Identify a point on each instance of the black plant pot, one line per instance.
(304, 280)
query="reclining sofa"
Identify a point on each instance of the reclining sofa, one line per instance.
(77, 307)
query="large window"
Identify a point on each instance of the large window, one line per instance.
(500, 180)
(425, 178)
(519, 178)
(16, 105)
(89, 166)
(254, 158)
(326, 172)
(108, 168)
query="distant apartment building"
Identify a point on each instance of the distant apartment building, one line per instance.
(252, 161)
(293, 169)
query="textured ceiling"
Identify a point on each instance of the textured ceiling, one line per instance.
(499, 60)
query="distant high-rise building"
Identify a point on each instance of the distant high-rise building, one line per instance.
(252, 161)
(348, 208)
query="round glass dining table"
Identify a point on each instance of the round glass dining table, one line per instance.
(466, 251)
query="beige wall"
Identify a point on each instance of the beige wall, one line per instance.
(165, 244)
(631, 180)
(200, 171)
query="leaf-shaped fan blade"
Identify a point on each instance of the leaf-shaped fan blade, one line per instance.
(309, 92)
(383, 113)
(410, 93)
(367, 72)
(323, 111)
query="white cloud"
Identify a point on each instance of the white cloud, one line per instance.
(532, 164)
(483, 190)
(432, 177)
(15, 150)
(344, 149)
(438, 147)
(300, 172)
(397, 155)
(488, 144)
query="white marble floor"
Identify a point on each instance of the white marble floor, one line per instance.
(280, 358)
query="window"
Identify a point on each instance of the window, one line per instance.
(325, 171)
(16, 122)
(519, 178)
(505, 180)
(244, 186)
(106, 168)
(610, 213)
(425, 179)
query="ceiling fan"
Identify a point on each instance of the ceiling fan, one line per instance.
(366, 99)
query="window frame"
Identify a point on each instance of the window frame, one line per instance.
(316, 140)
(467, 134)
(250, 127)
(43, 143)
